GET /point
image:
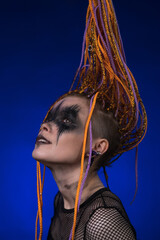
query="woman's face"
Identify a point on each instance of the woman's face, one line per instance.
(60, 138)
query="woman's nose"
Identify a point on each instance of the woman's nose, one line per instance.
(44, 126)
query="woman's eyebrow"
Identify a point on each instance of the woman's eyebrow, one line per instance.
(74, 109)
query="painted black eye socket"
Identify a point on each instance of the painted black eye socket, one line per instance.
(67, 121)
(65, 118)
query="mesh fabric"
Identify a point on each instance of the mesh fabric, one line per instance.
(101, 216)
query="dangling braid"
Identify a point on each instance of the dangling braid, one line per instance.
(40, 184)
(82, 164)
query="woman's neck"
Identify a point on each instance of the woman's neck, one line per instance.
(67, 178)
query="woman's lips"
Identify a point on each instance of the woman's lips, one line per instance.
(42, 140)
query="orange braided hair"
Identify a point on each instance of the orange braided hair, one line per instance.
(104, 70)
(40, 184)
(82, 162)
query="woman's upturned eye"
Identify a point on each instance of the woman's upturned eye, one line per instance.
(66, 120)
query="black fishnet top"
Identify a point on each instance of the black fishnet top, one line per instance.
(101, 217)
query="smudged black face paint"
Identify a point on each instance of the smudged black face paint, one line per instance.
(65, 118)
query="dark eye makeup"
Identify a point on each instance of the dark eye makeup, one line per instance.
(66, 118)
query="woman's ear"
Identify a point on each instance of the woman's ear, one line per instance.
(100, 145)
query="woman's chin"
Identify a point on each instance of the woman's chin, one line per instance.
(38, 155)
(41, 157)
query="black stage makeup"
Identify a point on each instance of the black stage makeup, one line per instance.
(66, 118)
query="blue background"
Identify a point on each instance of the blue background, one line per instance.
(40, 49)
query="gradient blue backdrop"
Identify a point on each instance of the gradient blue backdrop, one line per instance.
(40, 48)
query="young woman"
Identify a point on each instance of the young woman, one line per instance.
(88, 128)
(59, 147)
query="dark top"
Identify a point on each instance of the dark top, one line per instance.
(102, 216)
